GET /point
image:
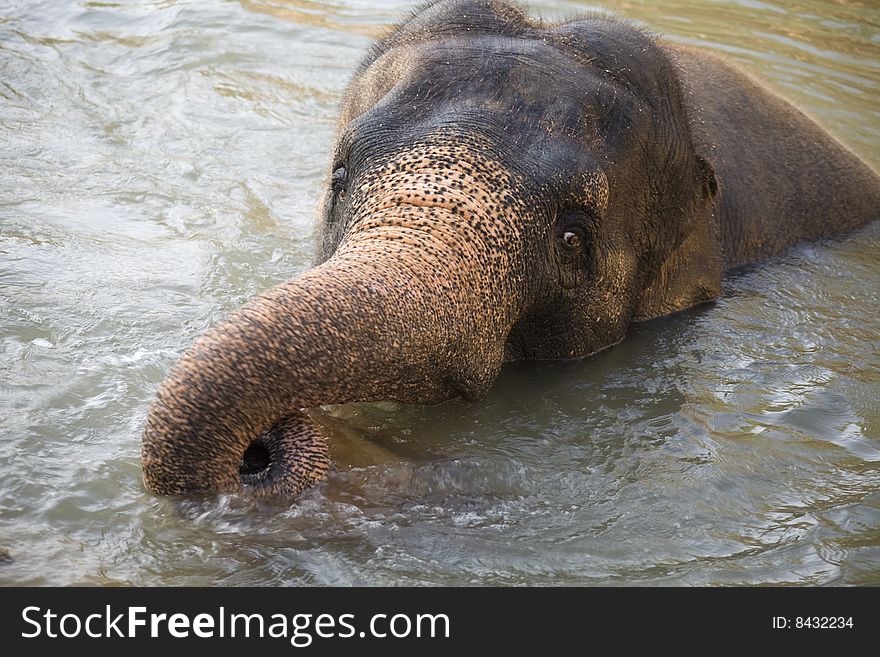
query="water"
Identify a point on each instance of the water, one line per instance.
(160, 163)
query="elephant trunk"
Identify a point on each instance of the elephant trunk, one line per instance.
(376, 321)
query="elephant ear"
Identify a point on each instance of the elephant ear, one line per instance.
(691, 274)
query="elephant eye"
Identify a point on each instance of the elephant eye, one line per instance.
(574, 228)
(571, 239)
(339, 180)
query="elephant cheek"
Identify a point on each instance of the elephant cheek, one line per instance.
(570, 271)
(569, 278)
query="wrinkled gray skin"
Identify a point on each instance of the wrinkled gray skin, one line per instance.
(501, 189)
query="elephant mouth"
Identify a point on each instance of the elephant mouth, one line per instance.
(289, 457)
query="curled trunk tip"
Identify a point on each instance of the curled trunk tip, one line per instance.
(289, 457)
(282, 461)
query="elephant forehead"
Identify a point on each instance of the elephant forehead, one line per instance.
(523, 80)
(446, 62)
(494, 62)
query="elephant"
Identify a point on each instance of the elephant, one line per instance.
(501, 188)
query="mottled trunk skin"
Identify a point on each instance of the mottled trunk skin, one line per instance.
(375, 322)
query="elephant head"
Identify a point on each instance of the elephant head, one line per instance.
(500, 189)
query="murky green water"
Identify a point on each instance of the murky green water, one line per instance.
(160, 163)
